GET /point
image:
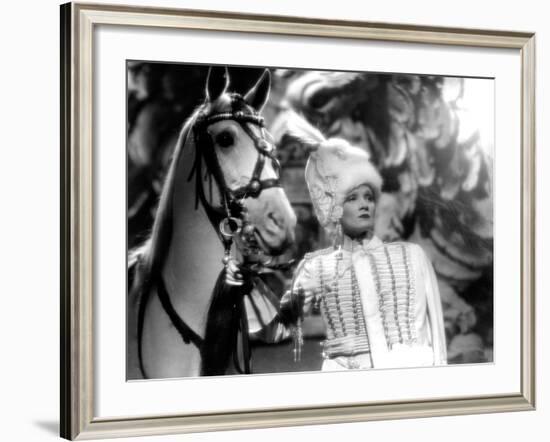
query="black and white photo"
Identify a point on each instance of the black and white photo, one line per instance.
(284, 220)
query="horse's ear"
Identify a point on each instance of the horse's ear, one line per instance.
(216, 82)
(257, 96)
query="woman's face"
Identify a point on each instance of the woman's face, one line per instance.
(359, 208)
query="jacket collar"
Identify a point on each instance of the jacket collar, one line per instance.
(351, 245)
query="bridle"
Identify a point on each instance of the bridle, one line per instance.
(225, 218)
(230, 218)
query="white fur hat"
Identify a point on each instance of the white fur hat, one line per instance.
(332, 171)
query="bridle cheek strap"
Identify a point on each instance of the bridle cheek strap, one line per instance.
(265, 150)
(233, 198)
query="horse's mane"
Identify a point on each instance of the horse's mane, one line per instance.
(147, 259)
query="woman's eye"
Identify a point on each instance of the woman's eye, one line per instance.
(224, 139)
(368, 197)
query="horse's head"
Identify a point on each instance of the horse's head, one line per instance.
(238, 152)
(224, 147)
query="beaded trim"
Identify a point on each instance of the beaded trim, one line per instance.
(338, 298)
(341, 306)
(336, 292)
(391, 269)
(322, 297)
(410, 299)
(206, 120)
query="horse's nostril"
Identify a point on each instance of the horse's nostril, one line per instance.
(277, 219)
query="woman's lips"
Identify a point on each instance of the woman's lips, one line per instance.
(364, 216)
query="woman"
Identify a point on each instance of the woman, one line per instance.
(380, 302)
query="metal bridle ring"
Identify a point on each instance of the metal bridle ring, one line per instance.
(229, 226)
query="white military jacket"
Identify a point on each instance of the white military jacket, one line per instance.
(380, 304)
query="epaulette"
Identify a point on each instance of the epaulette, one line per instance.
(316, 253)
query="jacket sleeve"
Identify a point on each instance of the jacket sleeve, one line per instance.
(294, 303)
(303, 288)
(435, 311)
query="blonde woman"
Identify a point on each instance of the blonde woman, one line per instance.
(379, 301)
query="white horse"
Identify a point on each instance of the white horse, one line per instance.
(184, 316)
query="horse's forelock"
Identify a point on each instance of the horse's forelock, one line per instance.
(222, 104)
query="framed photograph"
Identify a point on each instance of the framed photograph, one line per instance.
(274, 220)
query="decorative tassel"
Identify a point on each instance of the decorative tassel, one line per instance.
(297, 339)
(338, 239)
(223, 324)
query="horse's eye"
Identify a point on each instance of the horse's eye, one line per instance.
(320, 99)
(224, 139)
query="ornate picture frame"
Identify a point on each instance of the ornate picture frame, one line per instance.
(79, 204)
